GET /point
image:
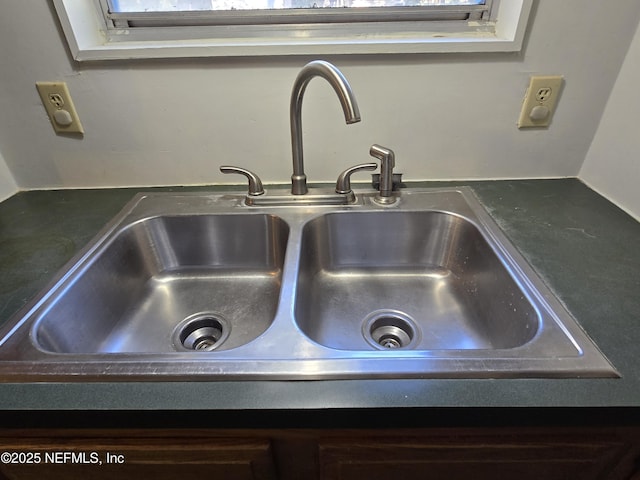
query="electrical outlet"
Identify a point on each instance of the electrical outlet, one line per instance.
(59, 106)
(540, 101)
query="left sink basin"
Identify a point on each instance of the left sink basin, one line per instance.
(171, 283)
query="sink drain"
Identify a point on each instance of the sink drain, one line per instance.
(390, 329)
(201, 332)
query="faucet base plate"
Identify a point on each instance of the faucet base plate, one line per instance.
(315, 197)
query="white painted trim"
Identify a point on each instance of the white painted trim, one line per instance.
(88, 39)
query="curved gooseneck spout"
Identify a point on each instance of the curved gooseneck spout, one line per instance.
(342, 88)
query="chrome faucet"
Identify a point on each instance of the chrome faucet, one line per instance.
(342, 194)
(342, 88)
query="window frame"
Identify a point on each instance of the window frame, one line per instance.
(91, 37)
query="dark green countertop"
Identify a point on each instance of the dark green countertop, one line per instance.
(583, 246)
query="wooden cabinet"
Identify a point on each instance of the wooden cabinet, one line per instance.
(315, 454)
(481, 457)
(136, 458)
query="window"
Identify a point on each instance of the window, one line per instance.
(116, 29)
(139, 13)
(146, 6)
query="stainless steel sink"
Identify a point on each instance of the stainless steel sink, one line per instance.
(415, 280)
(203, 281)
(203, 287)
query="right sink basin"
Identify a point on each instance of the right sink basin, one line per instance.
(432, 285)
(425, 280)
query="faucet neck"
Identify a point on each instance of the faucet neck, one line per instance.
(347, 99)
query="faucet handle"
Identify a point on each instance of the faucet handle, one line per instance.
(343, 185)
(255, 184)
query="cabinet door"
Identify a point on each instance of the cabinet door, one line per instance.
(476, 458)
(157, 459)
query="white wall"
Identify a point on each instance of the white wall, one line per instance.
(175, 122)
(7, 184)
(612, 166)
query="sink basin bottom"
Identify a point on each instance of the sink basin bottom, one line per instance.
(429, 302)
(173, 298)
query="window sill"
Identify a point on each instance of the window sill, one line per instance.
(89, 39)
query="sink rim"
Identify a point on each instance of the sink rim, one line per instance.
(306, 360)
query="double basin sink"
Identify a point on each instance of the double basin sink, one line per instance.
(196, 286)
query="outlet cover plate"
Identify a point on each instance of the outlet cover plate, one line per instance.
(59, 106)
(540, 101)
